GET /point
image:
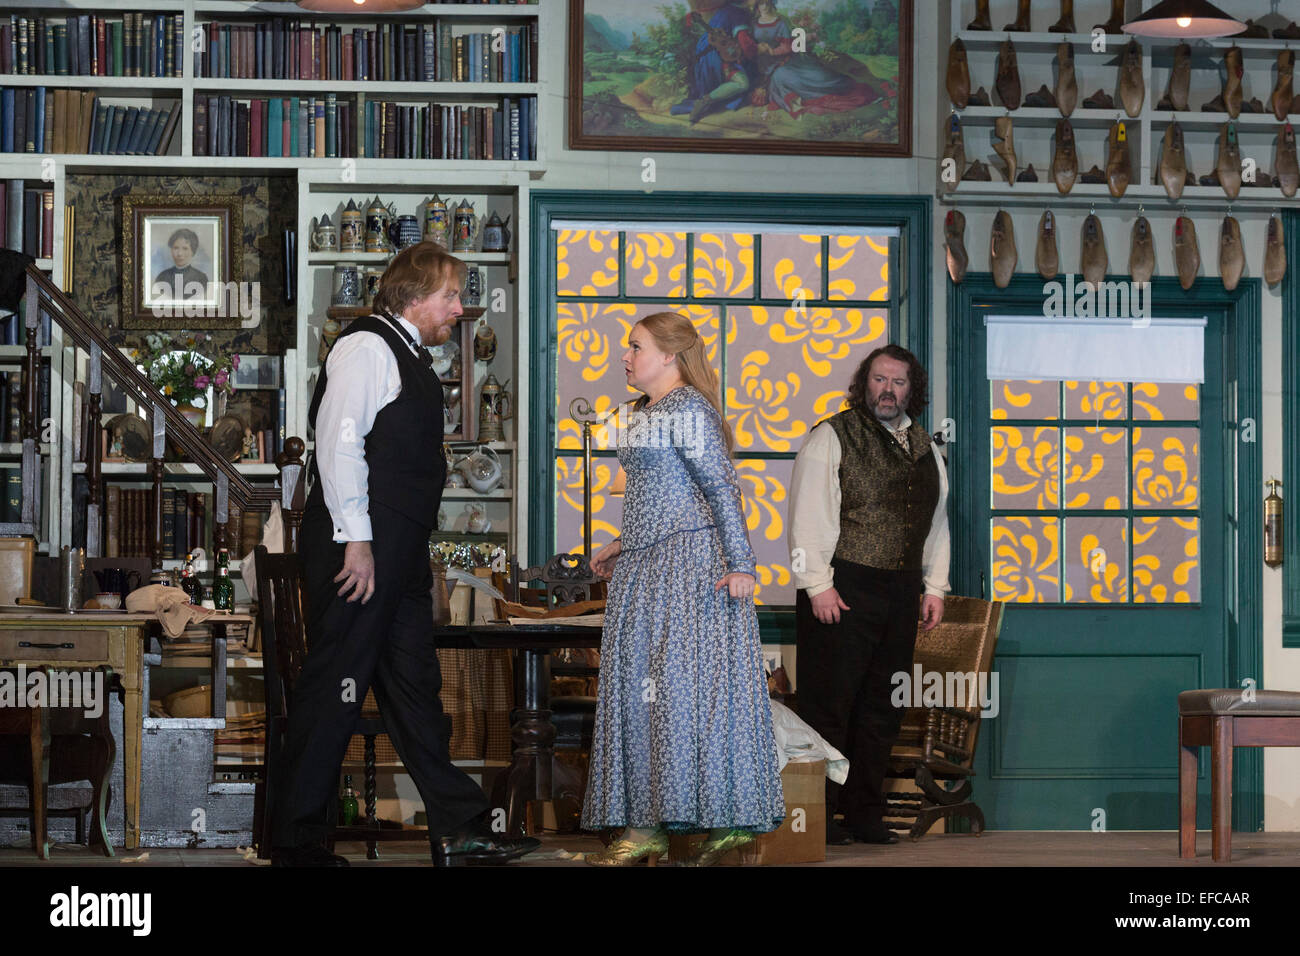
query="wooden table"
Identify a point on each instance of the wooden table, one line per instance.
(85, 640)
(533, 735)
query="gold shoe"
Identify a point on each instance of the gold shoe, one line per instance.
(714, 850)
(631, 852)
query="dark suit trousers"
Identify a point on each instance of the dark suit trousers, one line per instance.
(844, 677)
(386, 643)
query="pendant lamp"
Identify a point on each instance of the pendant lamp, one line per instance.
(359, 6)
(1184, 19)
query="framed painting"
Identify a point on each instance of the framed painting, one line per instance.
(825, 77)
(180, 263)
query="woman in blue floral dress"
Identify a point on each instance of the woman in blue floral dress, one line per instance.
(683, 738)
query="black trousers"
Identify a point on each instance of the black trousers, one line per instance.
(844, 678)
(386, 643)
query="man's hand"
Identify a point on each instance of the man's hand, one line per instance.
(931, 611)
(738, 584)
(358, 574)
(827, 606)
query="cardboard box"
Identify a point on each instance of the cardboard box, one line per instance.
(16, 556)
(801, 838)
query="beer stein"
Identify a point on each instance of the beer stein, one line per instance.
(378, 216)
(437, 224)
(496, 237)
(324, 238)
(351, 229)
(465, 228)
(494, 408)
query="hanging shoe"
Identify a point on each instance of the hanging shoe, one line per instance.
(1172, 172)
(1142, 252)
(1046, 257)
(1115, 24)
(1002, 250)
(1007, 82)
(1022, 19)
(1229, 164)
(1067, 89)
(954, 149)
(1180, 78)
(1119, 163)
(1288, 169)
(1004, 145)
(1274, 253)
(1187, 256)
(978, 173)
(954, 236)
(1027, 175)
(1066, 23)
(1232, 84)
(958, 75)
(1093, 177)
(1101, 100)
(1283, 95)
(979, 98)
(1041, 98)
(1092, 258)
(981, 21)
(1231, 260)
(1065, 161)
(1132, 88)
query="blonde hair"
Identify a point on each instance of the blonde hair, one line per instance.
(415, 272)
(673, 333)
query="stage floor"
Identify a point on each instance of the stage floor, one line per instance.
(1014, 848)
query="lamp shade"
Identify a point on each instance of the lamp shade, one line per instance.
(1190, 19)
(360, 6)
(619, 486)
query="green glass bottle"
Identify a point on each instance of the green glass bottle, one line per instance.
(348, 808)
(223, 589)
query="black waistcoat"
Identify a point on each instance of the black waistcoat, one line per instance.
(404, 447)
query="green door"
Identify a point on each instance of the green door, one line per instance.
(1101, 513)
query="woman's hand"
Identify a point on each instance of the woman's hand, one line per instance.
(738, 584)
(602, 562)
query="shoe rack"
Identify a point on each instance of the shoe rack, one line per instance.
(1097, 67)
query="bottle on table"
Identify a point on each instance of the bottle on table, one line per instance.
(348, 808)
(223, 589)
(190, 581)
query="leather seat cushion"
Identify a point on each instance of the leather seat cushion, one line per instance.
(1230, 701)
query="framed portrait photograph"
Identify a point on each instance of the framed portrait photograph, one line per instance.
(811, 77)
(181, 262)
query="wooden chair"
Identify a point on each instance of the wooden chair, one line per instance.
(1222, 720)
(936, 745)
(283, 615)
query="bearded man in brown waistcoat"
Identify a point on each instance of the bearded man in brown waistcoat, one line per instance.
(868, 535)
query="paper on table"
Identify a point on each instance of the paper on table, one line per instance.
(584, 620)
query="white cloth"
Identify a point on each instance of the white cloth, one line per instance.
(796, 742)
(814, 525)
(272, 540)
(363, 378)
(1140, 349)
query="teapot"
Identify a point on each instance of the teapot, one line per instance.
(477, 521)
(117, 580)
(496, 237)
(481, 468)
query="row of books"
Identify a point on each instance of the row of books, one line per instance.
(37, 120)
(11, 490)
(133, 130)
(138, 44)
(11, 402)
(326, 126)
(285, 49)
(28, 218)
(13, 329)
(187, 523)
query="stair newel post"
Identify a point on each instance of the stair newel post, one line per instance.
(156, 472)
(220, 511)
(94, 508)
(292, 491)
(30, 430)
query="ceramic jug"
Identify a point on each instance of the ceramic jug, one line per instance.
(482, 469)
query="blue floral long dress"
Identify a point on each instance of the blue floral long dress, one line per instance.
(683, 733)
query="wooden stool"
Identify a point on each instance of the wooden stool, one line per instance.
(1221, 720)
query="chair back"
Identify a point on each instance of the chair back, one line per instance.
(563, 580)
(282, 614)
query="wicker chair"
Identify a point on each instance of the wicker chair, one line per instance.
(936, 745)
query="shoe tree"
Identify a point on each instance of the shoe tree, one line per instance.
(954, 149)
(1046, 258)
(958, 75)
(1007, 81)
(1002, 250)
(1022, 19)
(1119, 163)
(981, 21)
(1180, 77)
(1116, 22)
(1229, 164)
(1232, 82)
(1232, 262)
(1066, 23)
(1067, 88)
(1285, 166)
(1283, 94)
(1092, 252)
(1274, 253)
(1005, 145)
(1065, 162)
(1187, 255)
(1132, 88)
(1172, 171)
(954, 243)
(1142, 252)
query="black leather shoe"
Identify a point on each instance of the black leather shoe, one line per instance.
(836, 835)
(476, 845)
(875, 834)
(305, 856)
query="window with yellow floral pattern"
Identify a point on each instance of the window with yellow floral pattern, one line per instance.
(1095, 492)
(786, 317)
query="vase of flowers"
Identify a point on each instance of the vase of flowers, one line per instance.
(185, 366)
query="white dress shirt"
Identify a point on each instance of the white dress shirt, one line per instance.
(814, 524)
(363, 377)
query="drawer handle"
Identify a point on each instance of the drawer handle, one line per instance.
(66, 645)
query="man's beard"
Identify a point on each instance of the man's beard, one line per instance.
(886, 415)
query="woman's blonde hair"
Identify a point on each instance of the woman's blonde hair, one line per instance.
(673, 333)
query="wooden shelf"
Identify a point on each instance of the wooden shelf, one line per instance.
(469, 494)
(377, 89)
(332, 258)
(178, 469)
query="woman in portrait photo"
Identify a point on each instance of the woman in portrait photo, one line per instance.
(183, 280)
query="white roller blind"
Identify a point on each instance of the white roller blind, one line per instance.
(762, 228)
(1100, 350)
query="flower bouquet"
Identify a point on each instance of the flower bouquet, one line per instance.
(179, 368)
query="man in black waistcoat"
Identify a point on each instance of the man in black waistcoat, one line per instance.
(364, 545)
(868, 535)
